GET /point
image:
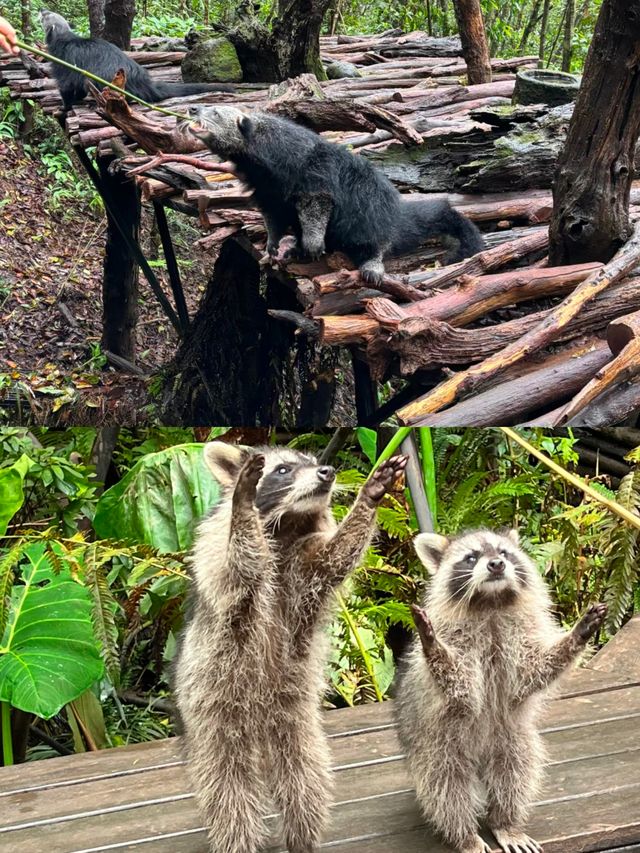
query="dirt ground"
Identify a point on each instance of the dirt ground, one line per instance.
(50, 304)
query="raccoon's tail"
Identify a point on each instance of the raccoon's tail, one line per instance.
(160, 91)
(420, 220)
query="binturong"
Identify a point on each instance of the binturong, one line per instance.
(249, 674)
(474, 684)
(327, 197)
(104, 59)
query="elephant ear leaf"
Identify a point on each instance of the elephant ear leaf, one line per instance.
(11, 496)
(48, 652)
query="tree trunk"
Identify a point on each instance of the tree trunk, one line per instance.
(474, 40)
(96, 18)
(529, 26)
(218, 374)
(544, 23)
(120, 280)
(290, 48)
(593, 178)
(567, 43)
(118, 21)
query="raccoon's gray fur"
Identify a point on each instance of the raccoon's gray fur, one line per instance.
(473, 686)
(249, 673)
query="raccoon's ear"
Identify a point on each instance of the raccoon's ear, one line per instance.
(514, 536)
(224, 460)
(430, 547)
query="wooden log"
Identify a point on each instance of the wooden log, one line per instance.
(344, 114)
(334, 331)
(623, 337)
(614, 407)
(535, 386)
(541, 335)
(476, 296)
(422, 343)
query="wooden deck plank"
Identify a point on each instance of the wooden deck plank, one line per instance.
(137, 798)
(374, 720)
(584, 767)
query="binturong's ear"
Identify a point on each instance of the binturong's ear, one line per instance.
(224, 461)
(244, 125)
(430, 547)
(514, 536)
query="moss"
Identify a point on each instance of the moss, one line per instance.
(212, 61)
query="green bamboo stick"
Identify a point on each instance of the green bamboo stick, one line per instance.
(7, 741)
(31, 49)
(361, 647)
(397, 439)
(429, 470)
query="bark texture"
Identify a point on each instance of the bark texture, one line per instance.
(595, 169)
(474, 40)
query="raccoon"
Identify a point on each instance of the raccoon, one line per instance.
(473, 686)
(249, 675)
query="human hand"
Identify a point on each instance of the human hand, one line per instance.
(8, 37)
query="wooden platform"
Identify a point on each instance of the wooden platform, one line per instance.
(137, 798)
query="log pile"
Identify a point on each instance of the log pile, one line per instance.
(529, 343)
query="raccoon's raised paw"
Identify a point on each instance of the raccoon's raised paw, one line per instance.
(384, 477)
(513, 841)
(475, 845)
(423, 626)
(248, 478)
(591, 621)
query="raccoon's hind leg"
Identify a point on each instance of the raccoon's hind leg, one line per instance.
(512, 775)
(447, 787)
(229, 789)
(301, 779)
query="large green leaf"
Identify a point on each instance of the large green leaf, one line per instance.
(160, 500)
(11, 495)
(48, 653)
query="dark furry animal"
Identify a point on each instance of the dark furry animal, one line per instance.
(104, 60)
(330, 199)
(249, 674)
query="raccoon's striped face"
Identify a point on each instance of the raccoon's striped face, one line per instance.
(293, 482)
(479, 564)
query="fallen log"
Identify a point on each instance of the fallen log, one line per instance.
(422, 343)
(611, 408)
(476, 296)
(623, 337)
(541, 335)
(537, 386)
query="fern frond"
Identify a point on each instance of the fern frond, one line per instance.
(104, 613)
(622, 555)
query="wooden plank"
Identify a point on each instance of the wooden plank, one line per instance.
(621, 655)
(369, 721)
(583, 762)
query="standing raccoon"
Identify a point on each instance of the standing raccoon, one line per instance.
(472, 690)
(249, 673)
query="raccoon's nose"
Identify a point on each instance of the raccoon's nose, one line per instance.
(326, 473)
(496, 566)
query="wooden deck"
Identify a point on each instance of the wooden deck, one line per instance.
(137, 798)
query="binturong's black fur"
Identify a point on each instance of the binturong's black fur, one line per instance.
(330, 199)
(104, 60)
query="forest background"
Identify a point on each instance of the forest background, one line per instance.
(95, 529)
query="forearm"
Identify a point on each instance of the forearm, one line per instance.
(547, 665)
(342, 553)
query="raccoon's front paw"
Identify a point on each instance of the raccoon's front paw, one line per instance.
(248, 479)
(384, 477)
(423, 626)
(591, 621)
(513, 841)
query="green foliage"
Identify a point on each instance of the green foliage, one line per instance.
(48, 653)
(160, 500)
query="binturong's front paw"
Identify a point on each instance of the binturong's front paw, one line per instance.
(423, 627)
(591, 621)
(248, 479)
(383, 478)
